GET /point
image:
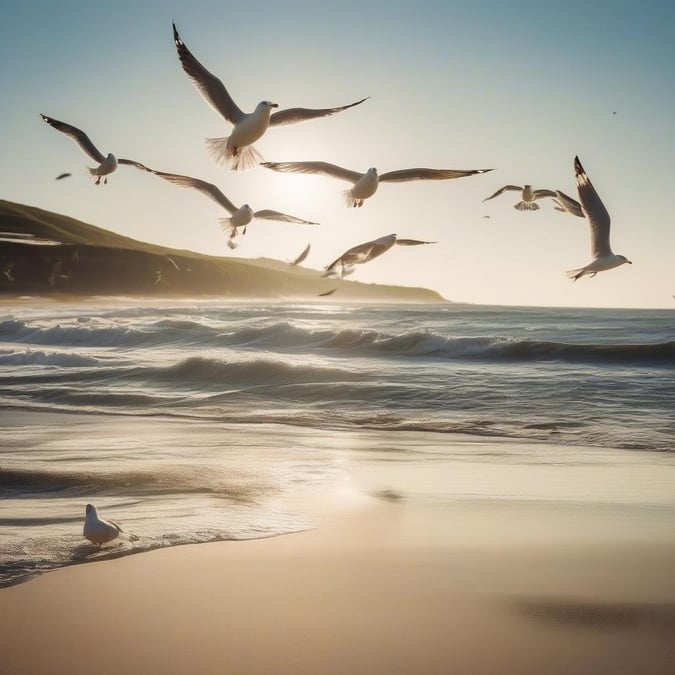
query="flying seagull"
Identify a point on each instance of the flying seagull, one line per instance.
(566, 204)
(365, 184)
(61, 176)
(240, 216)
(364, 253)
(106, 165)
(236, 151)
(528, 196)
(325, 293)
(97, 530)
(598, 219)
(302, 256)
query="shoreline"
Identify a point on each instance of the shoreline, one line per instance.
(378, 586)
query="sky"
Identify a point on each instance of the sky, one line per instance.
(520, 87)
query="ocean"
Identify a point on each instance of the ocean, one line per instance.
(194, 421)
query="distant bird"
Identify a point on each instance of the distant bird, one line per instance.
(325, 293)
(236, 151)
(8, 271)
(366, 252)
(61, 176)
(240, 216)
(302, 256)
(598, 219)
(106, 164)
(566, 204)
(97, 530)
(366, 184)
(528, 196)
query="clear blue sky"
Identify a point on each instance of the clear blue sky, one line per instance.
(520, 86)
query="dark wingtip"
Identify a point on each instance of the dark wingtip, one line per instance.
(176, 37)
(577, 165)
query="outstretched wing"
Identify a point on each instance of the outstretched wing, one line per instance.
(293, 115)
(269, 214)
(208, 189)
(302, 256)
(539, 194)
(595, 211)
(413, 242)
(314, 167)
(428, 174)
(78, 135)
(211, 88)
(517, 188)
(567, 204)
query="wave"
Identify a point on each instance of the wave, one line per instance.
(42, 358)
(284, 336)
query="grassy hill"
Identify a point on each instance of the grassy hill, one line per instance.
(45, 253)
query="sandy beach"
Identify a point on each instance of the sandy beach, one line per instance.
(378, 586)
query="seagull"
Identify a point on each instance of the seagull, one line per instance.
(566, 204)
(240, 216)
(529, 195)
(325, 293)
(106, 164)
(364, 253)
(302, 256)
(97, 530)
(61, 176)
(236, 151)
(598, 219)
(365, 184)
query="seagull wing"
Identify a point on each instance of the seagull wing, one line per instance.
(566, 203)
(413, 242)
(131, 162)
(517, 188)
(538, 194)
(269, 214)
(302, 256)
(427, 174)
(78, 135)
(208, 189)
(211, 88)
(314, 167)
(595, 211)
(293, 115)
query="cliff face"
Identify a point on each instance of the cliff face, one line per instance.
(44, 253)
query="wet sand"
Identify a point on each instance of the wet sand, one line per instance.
(380, 586)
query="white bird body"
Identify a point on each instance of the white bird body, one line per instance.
(598, 219)
(528, 196)
(365, 185)
(239, 217)
(236, 151)
(106, 165)
(97, 530)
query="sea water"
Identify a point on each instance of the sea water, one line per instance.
(194, 421)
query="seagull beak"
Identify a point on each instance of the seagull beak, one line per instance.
(274, 105)
(630, 262)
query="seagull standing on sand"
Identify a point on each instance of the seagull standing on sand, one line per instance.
(366, 184)
(236, 151)
(598, 219)
(528, 196)
(240, 217)
(97, 530)
(364, 253)
(106, 165)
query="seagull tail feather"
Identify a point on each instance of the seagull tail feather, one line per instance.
(526, 206)
(575, 274)
(232, 157)
(350, 200)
